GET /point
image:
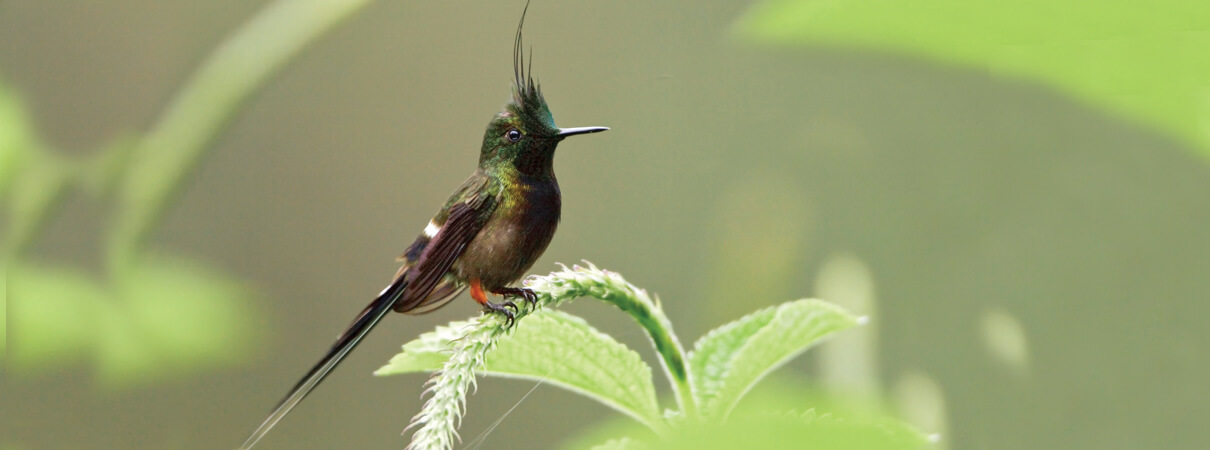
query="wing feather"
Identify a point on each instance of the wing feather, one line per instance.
(461, 225)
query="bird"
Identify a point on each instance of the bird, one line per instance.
(485, 237)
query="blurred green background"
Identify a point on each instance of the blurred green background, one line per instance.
(1024, 219)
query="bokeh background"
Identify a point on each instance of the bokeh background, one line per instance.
(1033, 253)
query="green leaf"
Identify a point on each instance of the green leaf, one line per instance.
(39, 185)
(427, 352)
(52, 316)
(31, 179)
(621, 444)
(15, 136)
(4, 312)
(556, 348)
(781, 412)
(831, 431)
(164, 318)
(729, 360)
(176, 316)
(1144, 61)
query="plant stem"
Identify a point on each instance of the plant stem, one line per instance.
(203, 106)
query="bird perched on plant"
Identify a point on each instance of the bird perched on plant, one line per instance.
(489, 232)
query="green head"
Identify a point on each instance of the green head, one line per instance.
(524, 135)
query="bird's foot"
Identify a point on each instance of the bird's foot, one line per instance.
(502, 308)
(525, 293)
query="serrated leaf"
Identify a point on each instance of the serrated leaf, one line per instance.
(1144, 61)
(556, 348)
(427, 352)
(729, 360)
(711, 355)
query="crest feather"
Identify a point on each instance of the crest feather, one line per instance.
(526, 93)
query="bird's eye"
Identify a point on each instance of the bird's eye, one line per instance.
(513, 135)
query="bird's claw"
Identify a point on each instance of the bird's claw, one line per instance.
(525, 294)
(530, 297)
(509, 316)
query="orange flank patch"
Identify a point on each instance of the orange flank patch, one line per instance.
(477, 292)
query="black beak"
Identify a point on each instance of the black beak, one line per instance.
(565, 132)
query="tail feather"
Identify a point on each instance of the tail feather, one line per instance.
(349, 339)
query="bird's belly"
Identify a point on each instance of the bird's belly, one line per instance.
(507, 246)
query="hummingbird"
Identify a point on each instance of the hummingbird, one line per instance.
(485, 237)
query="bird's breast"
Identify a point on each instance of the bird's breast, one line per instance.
(517, 233)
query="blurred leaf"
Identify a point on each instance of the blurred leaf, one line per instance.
(41, 182)
(799, 413)
(35, 178)
(102, 171)
(1144, 61)
(729, 360)
(176, 316)
(621, 444)
(920, 400)
(168, 317)
(778, 414)
(556, 348)
(14, 136)
(3, 313)
(850, 362)
(611, 428)
(808, 430)
(54, 310)
(1005, 340)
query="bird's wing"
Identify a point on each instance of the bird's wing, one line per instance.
(465, 218)
(446, 291)
(344, 344)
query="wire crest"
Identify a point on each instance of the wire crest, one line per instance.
(523, 82)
